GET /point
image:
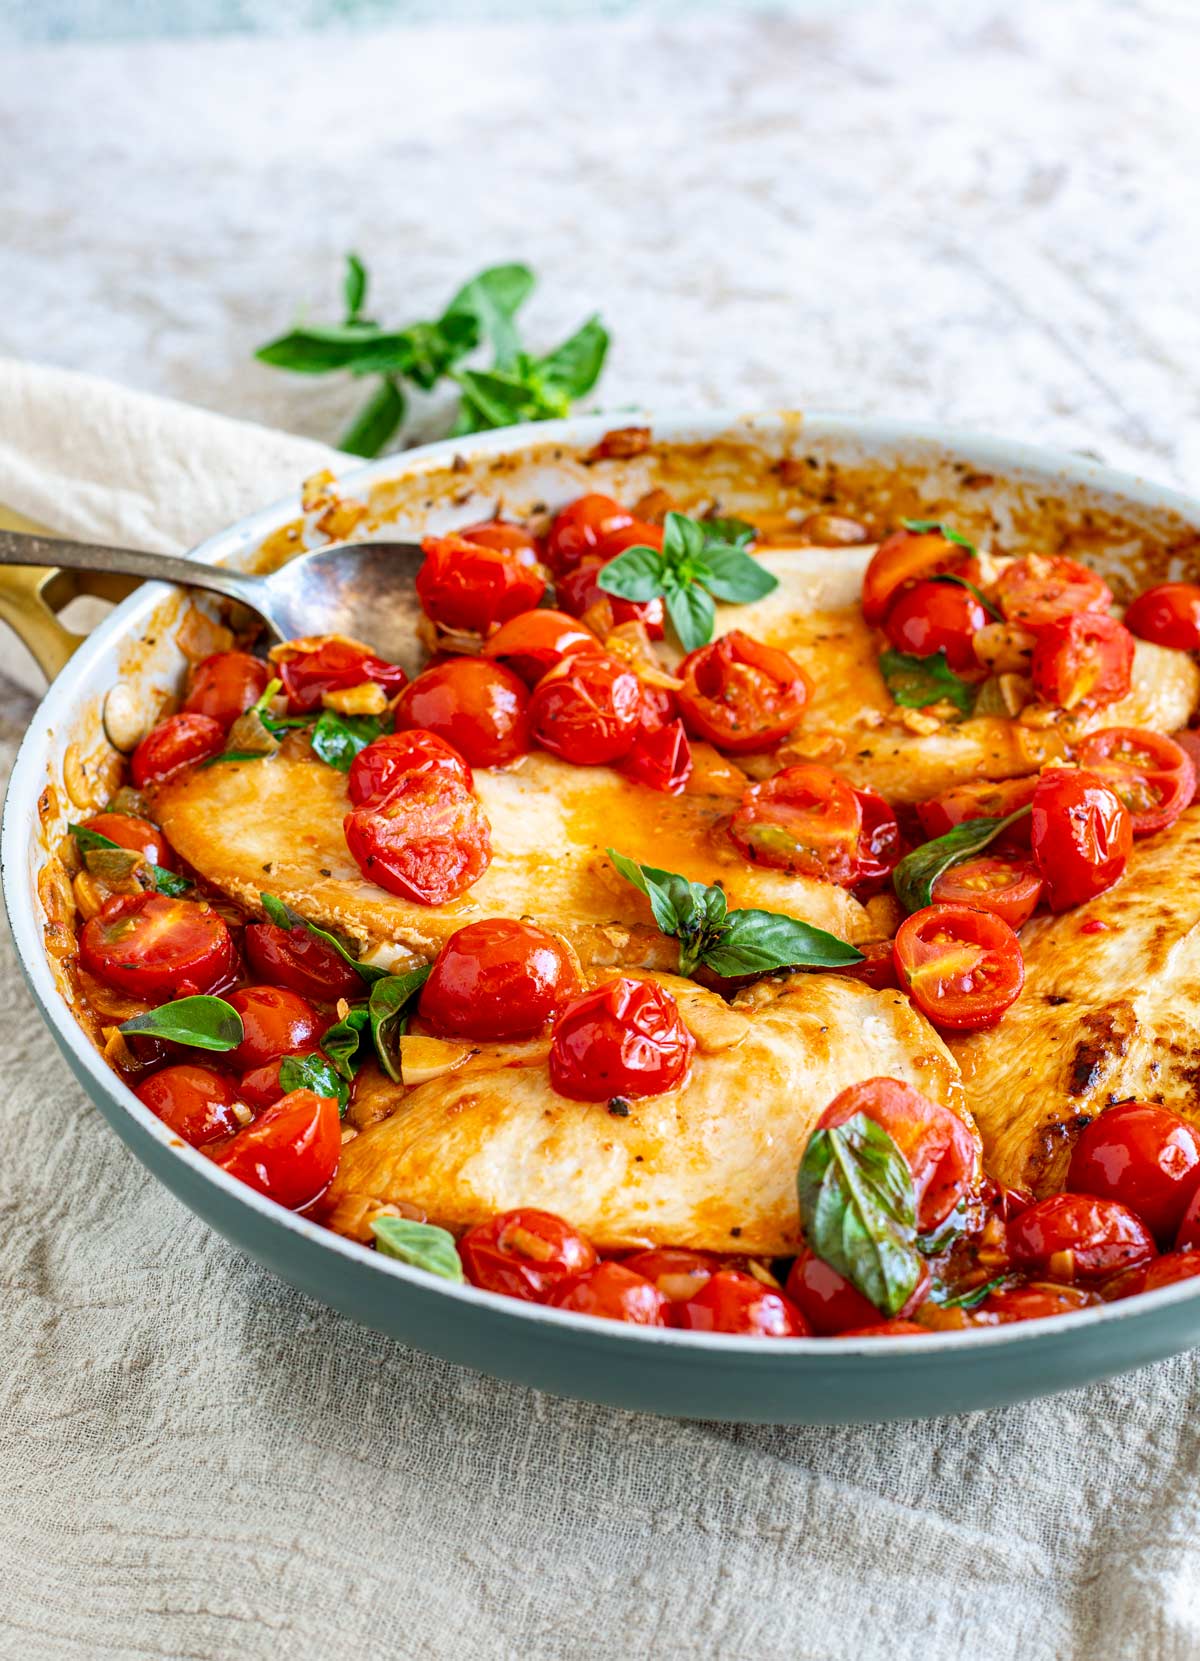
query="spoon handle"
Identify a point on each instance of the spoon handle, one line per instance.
(24, 548)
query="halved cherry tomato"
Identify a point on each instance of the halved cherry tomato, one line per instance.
(275, 1022)
(150, 945)
(612, 1292)
(334, 666)
(735, 1302)
(176, 742)
(937, 617)
(662, 759)
(1045, 588)
(1189, 739)
(478, 707)
(1076, 1237)
(1081, 834)
(906, 558)
(940, 1150)
(1153, 775)
(464, 584)
(534, 642)
(1170, 1268)
(1168, 615)
(1007, 888)
(503, 535)
(261, 1086)
(298, 960)
(578, 528)
(586, 710)
(807, 820)
(498, 979)
(580, 590)
(195, 1102)
(677, 1272)
(1088, 657)
(878, 966)
(1034, 1302)
(1143, 1155)
(427, 840)
(129, 830)
(827, 1300)
(979, 799)
(625, 1038)
(879, 842)
(524, 1254)
(658, 707)
(962, 967)
(291, 1152)
(225, 685)
(741, 695)
(386, 761)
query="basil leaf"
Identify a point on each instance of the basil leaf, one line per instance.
(858, 1210)
(914, 877)
(735, 575)
(684, 542)
(636, 574)
(755, 942)
(924, 526)
(572, 369)
(204, 1022)
(235, 755)
(969, 1299)
(285, 918)
(376, 422)
(692, 614)
(87, 839)
(337, 739)
(390, 1006)
(738, 533)
(915, 682)
(420, 1245)
(500, 400)
(342, 1040)
(316, 349)
(354, 287)
(679, 906)
(315, 1073)
(492, 300)
(955, 581)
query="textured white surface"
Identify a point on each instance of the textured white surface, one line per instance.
(979, 212)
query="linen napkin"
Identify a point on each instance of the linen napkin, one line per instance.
(198, 1461)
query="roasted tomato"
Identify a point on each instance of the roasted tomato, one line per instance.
(176, 742)
(587, 709)
(826, 1299)
(1081, 834)
(398, 756)
(624, 1038)
(1009, 889)
(503, 535)
(427, 840)
(1170, 1268)
(879, 842)
(980, 799)
(130, 831)
(734, 1302)
(225, 685)
(904, 559)
(1169, 615)
(661, 759)
(1188, 1238)
(498, 979)
(479, 708)
(335, 665)
(275, 1022)
(580, 590)
(1046, 588)
(939, 1148)
(261, 1086)
(296, 959)
(806, 820)
(464, 584)
(1077, 1237)
(1086, 657)
(741, 695)
(1154, 776)
(937, 617)
(290, 1152)
(579, 527)
(658, 707)
(195, 1102)
(962, 967)
(613, 1293)
(878, 966)
(152, 947)
(677, 1272)
(888, 1329)
(1034, 1302)
(1143, 1155)
(524, 1254)
(534, 642)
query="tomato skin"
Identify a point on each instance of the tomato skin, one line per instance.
(579, 527)
(174, 743)
(151, 946)
(895, 1328)
(1153, 775)
(1009, 889)
(533, 642)
(290, 1152)
(1077, 1237)
(677, 1272)
(741, 695)
(130, 831)
(880, 844)
(334, 666)
(297, 960)
(1189, 741)
(1081, 834)
(1087, 657)
(962, 998)
(939, 1148)
(625, 1038)
(612, 1292)
(937, 617)
(1047, 588)
(502, 535)
(524, 1254)
(479, 708)
(734, 1302)
(878, 967)
(498, 979)
(827, 1300)
(1168, 615)
(979, 799)
(1170, 1268)
(261, 1086)
(1034, 1302)
(276, 1022)
(225, 685)
(397, 756)
(1143, 1155)
(806, 820)
(195, 1102)
(661, 760)
(586, 710)
(464, 584)
(904, 559)
(427, 841)
(580, 590)
(1188, 1238)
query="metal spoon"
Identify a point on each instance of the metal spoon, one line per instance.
(361, 589)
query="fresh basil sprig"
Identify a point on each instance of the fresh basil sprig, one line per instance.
(159, 878)
(530, 388)
(285, 918)
(914, 877)
(700, 561)
(915, 682)
(421, 1245)
(858, 1210)
(315, 1073)
(730, 943)
(389, 1008)
(923, 526)
(204, 1022)
(336, 739)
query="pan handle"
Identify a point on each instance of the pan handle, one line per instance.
(31, 597)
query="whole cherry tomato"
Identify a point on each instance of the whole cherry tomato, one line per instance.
(624, 1038)
(579, 527)
(878, 966)
(479, 708)
(807, 820)
(827, 1300)
(334, 666)
(195, 1102)
(580, 590)
(397, 756)
(498, 979)
(464, 584)
(741, 695)
(734, 1302)
(978, 799)
(906, 558)
(290, 1152)
(524, 1254)
(1081, 834)
(174, 743)
(1170, 1268)
(937, 617)
(938, 1147)
(152, 946)
(128, 830)
(962, 967)
(1188, 1238)
(1035, 1302)
(879, 843)
(1143, 1155)
(275, 1022)
(1085, 657)
(1168, 615)
(612, 1292)
(887, 1329)
(662, 759)
(1046, 588)
(1153, 775)
(427, 840)
(502, 534)
(586, 710)
(1076, 1237)
(677, 1272)
(1007, 888)
(261, 1086)
(532, 643)
(298, 960)
(225, 685)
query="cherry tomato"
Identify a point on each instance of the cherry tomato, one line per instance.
(807, 820)
(962, 967)
(176, 742)
(1081, 834)
(1046, 588)
(937, 617)
(827, 1300)
(613, 1293)
(1076, 1237)
(1169, 615)
(1154, 776)
(479, 708)
(906, 558)
(427, 840)
(276, 1022)
(296, 959)
(879, 842)
(658, 708)
(386, 761)
(1188, 1238)
(1170, 1268)
(1034, 1302)
(261, 1086)
(334, 666)
(586, 710)
(1188, 739)
(939, 1148)
(1085, 657)
(498, 979)
(127, 830)
(677, 1272)
(741, 695)
(535, 641)
(195, 1102)
(579, 527)
(624, 1038)
(732, 1301)
(503, 535)
(290, 1152)
(979, 799)
(468, 585)
(1143, 1155)
(878, 966)
(524, 1254)
(661, 760)
(152, 946)
(1006, 888)
(580, 590)
(887, 1329)
(225, 685)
